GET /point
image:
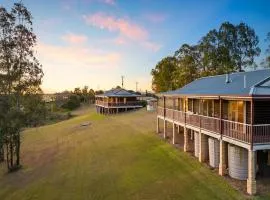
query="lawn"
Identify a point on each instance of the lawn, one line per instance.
(116, 157)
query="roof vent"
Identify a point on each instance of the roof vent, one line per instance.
(228, 80)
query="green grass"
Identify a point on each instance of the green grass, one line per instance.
(116, 157)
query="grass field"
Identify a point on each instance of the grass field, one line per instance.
(116, 157)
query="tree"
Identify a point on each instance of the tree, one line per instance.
(266, 61)
(77, 91)
(35, 110)
(163, 75)
(85, 94)
(242, 43)
(20, 73)
(92, 95)
(188, 63)
(215, 58)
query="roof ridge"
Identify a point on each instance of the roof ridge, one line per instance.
(232, 73)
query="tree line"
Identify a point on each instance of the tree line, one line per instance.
(230, 48)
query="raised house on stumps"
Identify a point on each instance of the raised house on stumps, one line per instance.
(117, 100)
(225, 121)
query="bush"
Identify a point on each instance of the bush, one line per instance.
(72, 103)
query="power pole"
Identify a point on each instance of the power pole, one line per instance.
(137, 86)
(122, 77)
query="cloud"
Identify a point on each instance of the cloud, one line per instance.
(111, 23)
(75, 39)
(77, 56)
(128, 30)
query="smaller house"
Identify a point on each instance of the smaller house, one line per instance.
(117, 100)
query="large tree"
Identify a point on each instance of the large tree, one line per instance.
(241, 42)
(20, 74)
(187, 66)
(163, 75)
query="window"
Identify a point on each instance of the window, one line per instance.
(236, 111)
(196, 106)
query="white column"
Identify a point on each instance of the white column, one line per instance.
(251, 181)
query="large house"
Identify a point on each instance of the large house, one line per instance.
(117, 100)
(225, 120)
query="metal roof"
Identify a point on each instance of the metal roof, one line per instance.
(251, 83)
(118, 93)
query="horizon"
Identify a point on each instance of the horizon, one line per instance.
(94, 42)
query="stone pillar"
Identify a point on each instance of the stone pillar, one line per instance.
(173, 139)
(157, 125)
(165, 129)
(203, 152)
(178, 129)
(251, 181)
(222, 158)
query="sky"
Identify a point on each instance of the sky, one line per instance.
(95, 42)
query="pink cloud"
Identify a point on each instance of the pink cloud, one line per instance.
(75, 39)
(128, 30)
(123, 26)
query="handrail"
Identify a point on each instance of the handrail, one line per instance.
(233, 129)
(225, 120)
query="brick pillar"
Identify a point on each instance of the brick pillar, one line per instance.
(157, 125)
(222, 158)
(173, 140)
(165, 129)
(203, 152)
(251, 181)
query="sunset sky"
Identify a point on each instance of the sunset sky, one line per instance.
(94, 42)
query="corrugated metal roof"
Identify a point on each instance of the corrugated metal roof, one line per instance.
(241, 83)
(119, 93)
